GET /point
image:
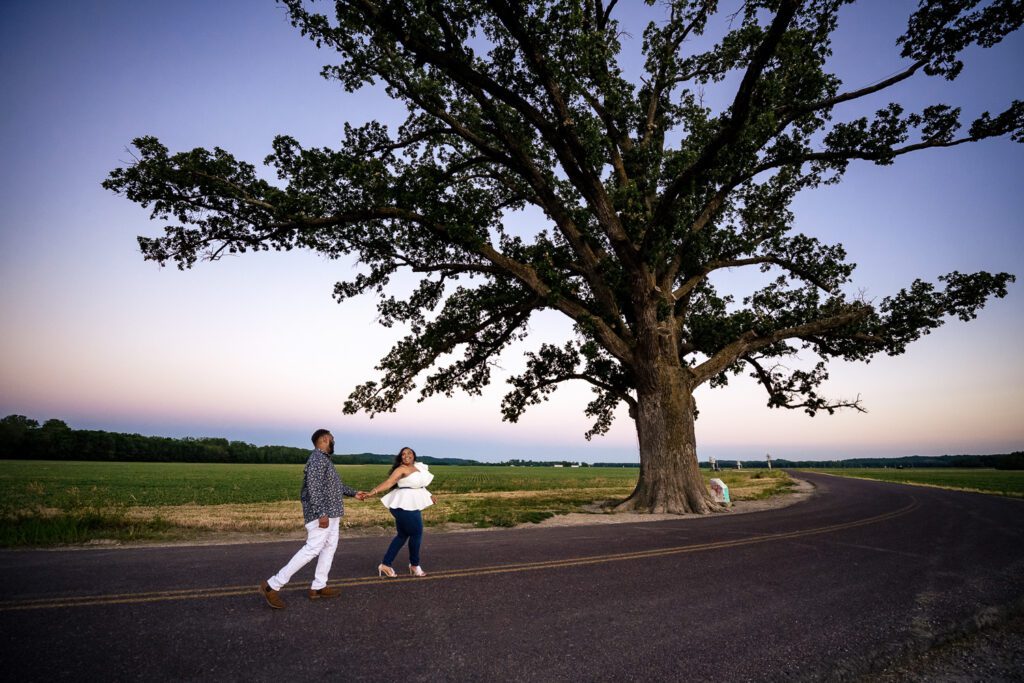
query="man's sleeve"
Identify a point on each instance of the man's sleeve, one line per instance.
(318, 491)
(347, 490)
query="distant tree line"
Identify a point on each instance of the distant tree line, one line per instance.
(22, 438)
(1005, 461)
(515, 462)
(380, 459)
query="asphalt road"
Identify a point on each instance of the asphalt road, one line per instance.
(833, 588)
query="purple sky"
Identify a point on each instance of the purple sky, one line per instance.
(255, 349)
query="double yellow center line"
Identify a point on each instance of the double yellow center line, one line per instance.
(248, 589)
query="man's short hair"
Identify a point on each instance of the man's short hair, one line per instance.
(318, 433)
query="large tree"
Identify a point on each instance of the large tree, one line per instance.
(646, 195)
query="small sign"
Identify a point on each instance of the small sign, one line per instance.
(720, 491)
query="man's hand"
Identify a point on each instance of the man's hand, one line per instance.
(324, 522)
(360, 495)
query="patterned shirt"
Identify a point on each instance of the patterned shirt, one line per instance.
(322, 488)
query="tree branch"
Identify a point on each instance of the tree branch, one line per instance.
(571, 306)
(751, 341)
(558, 379)
(456, 268)
(566, 142)
(781, 397)
(517, 159)
(789, 113)
(662, 79)
(739, 111)
(859, 154)
(795, 269)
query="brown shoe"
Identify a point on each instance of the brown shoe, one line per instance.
(273, 597)
(325, 592)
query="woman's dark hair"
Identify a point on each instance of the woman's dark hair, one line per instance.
(398, 458)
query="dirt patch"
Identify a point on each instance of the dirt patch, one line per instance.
(800, 491)
(281, 516)
(542, 493)
(276, 521)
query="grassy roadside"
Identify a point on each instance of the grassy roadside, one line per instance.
(46, 503)
(999, 482)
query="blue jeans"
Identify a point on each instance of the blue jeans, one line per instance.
(409, 524)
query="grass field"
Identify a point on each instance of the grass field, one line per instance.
(1002, 482)
(50, 502)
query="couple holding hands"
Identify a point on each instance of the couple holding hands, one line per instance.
(322, 508)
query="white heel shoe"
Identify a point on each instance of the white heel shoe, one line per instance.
(416, 571)
(384, 570)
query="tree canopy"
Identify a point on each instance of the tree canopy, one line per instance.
(646, 194)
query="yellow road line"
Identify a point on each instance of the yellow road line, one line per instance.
(249, 589)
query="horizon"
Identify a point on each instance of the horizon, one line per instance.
(555, 458)
(254, 348)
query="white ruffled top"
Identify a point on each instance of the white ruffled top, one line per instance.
(411, 492)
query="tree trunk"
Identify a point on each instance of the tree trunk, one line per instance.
(670, 480)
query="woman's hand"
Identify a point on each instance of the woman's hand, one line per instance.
(433, 498)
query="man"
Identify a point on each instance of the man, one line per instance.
(322, 508)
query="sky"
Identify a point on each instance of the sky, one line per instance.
(254, 348)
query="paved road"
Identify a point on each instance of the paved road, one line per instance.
(830, 588)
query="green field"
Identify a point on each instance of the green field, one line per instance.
(89, 484)
(51, 502)
(1002, 482)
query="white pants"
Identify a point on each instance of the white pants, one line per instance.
(320, 543)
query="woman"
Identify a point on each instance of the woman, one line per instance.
(405, 501)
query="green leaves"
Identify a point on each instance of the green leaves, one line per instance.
(1010, 121)
(552, 365)
(480, 321)
(915, 312)
(530, 174)
(942, 29)
(220, 196)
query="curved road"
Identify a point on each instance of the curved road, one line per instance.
(831, 588)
